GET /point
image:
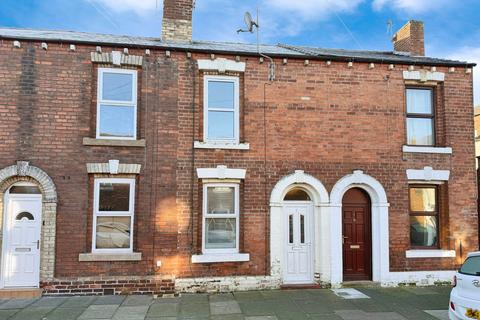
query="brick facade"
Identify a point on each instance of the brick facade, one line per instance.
(325, 119)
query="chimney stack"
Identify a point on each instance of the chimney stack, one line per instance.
(177, 20)
(410, 38)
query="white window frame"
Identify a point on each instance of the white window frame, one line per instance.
(97, 213)
(236, 109)
(132, 103)
(236, 215)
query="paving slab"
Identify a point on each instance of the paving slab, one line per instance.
(439, 314)
(221, 297)
(5, 314)
(420, 291)
(163, 310)
(17, 303)
(131, 313)
(314, 307)
(194, 298)
(65, 313)
(324, 317)
(261, 308)
(194, 310)
(74, 302)
(310, 304)
(111, 299)
(49, 302)
(31, 313)
(292, 316)
(361, 315)
(228, 317)
(276, 295)
(244, 296)
(370, 305)
(167, 300)
(143, 300)
(224, 307)
(99, 312)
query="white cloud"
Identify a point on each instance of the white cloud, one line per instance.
(412, 6)
(470, 54)
(277, 17)
(138, 6)
(313, 9)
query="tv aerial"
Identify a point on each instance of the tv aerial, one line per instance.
(251, 25)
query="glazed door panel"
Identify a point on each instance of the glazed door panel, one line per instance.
(298, 244)
(22, 242)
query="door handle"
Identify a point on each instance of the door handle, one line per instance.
(38, 244)
(343, 239)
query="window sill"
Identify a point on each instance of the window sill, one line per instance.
(89, 257)
(430, 253)
(113, 142)
(219, 145)
(223, 257)
(415, 149)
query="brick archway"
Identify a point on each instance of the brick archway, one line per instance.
(24, 172)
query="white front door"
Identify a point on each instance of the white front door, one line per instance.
(299, 241)
(21, 256)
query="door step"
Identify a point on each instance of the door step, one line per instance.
(20, 293)
(300, 286)
(360, 284)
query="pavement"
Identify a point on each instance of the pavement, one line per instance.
(357, 304)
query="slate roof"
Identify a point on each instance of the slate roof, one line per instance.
(226, 47)
(375, 56)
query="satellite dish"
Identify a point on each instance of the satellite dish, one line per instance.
(249, 23)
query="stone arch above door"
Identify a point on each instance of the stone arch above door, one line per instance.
(21, 172)
(358, 179)
(312, 185)
(380, 225)
(319, 202)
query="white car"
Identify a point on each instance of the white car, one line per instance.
(465, 295)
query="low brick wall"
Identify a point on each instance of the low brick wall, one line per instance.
(120, 285)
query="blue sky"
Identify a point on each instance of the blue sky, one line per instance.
(452, 27)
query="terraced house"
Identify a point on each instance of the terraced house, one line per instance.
(140, 165)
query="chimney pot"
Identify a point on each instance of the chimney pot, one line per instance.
(410, 38)
(177, 20)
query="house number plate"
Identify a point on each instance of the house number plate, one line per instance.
(354, 246)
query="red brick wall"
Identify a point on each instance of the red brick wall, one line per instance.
(178, 9)
(326, 120)
(410, 38)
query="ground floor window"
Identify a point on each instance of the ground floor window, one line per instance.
(423, 216)
(220, 218)
(113, 213)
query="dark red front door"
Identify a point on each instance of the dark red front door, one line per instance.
(357, 262)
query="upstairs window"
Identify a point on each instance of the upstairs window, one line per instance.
(423, 216)
(221, 109)
(420, 117)
(117, 104)
(220, 218)
(113, 215)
